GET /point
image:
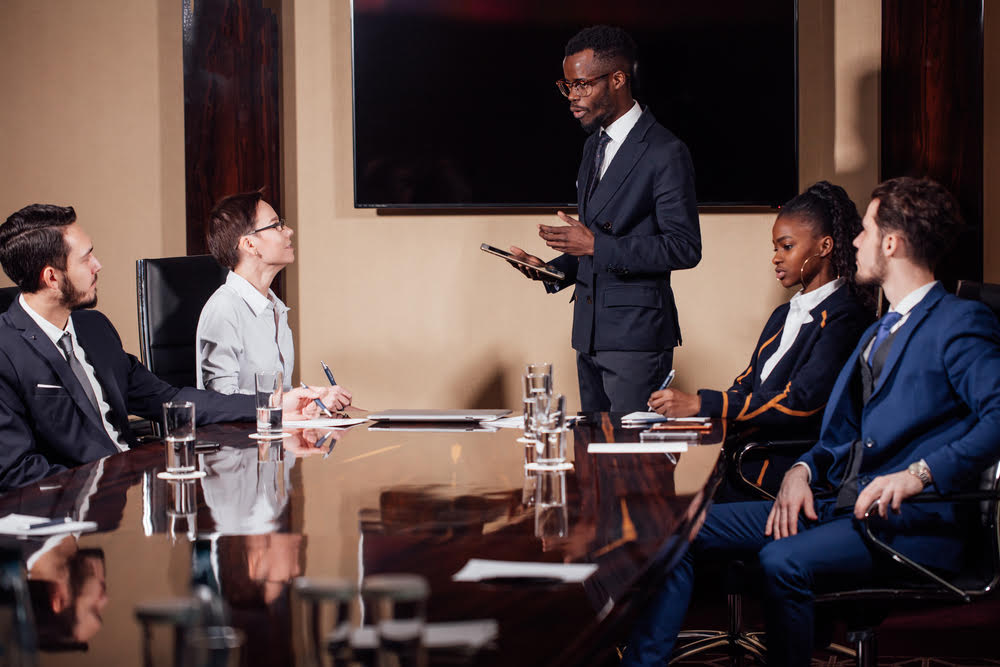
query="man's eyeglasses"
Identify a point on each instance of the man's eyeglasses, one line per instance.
(581, 87)
(279, 225)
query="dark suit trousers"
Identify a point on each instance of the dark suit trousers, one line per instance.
(620, 381)
(829, 549)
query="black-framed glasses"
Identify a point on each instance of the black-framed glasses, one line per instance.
(279, 225)
(582, 87)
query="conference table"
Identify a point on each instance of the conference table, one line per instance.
(371, 500)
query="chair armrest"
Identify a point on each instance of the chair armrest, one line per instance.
(773, 446)
(914, 567)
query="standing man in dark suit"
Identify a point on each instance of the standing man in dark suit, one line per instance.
(915, 409)
(638, 222)
(66, 385)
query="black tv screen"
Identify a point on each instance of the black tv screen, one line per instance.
(455, 102)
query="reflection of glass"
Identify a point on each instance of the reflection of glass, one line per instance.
(214, 646)
(268, 390)
(551, 518)
(398, 604)
(182, 508)
(530, 478)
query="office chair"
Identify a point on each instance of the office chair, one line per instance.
(978, 577)
(7, 296)
(171, 293)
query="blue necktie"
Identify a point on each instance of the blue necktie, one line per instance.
(887, 322)
(595, 172)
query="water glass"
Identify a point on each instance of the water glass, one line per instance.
(398, 604)
(544, 368)
(269, 393)
(178, 427)
(550, 444)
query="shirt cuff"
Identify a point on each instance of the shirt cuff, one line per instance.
(809, 472)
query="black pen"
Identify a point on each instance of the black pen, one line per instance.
(329, 374)
(326, 410)
(46, 524)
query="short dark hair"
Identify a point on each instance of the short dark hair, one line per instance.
(231, 218)
(32, 239)
(924, 212)
(608, 42)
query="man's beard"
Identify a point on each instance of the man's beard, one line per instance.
(876, 275)
(74, 299)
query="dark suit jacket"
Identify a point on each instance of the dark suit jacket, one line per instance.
(937, 399)
(795, 392)
(46, 429)
(644, 215)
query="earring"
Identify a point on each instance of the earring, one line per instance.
(803, 269)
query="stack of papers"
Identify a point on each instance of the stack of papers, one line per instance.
(675, 447)
(321, 422)
(479, 569)
(642, 418)
(39, 526)
(470, 635)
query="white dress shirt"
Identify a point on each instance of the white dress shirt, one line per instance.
(617, 132)
(240, 332)
(54, 333)
(798, 314)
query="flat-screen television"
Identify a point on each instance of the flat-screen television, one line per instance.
(455, 102)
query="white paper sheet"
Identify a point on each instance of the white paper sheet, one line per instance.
(478, 569)
(20, 524)
(637, 447)
(321, 422)
(460, 634)
(642, 418)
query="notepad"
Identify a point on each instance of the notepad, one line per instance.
(479, 569)
(637, 447)
(20, 524)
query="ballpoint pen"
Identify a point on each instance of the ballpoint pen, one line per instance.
(667, 380)
(46, 524)
(322, 441)
(326, 410)
(329, 374)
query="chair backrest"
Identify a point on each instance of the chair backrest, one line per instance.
(988, 293)
(171, 293)
(7, 296)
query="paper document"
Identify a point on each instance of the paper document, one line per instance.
(518, 422)
(21, 524)
(460, 634)
(478, 569)
(642, 418)
(637, 447)
(321, 422)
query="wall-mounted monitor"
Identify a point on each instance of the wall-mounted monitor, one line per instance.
(455, 102)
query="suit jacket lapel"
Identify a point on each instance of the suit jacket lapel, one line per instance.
(917, 314)
(625, 159)
(43, 345)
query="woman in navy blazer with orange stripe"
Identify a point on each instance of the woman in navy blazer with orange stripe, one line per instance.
(805, 342)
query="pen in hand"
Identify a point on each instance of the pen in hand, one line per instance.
(326, 410)
(666, 383)
(329, 374)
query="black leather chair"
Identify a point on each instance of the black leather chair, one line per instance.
(171, 293)
(7, 296)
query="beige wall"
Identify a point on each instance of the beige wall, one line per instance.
(408, 311)
(92, 118)
(404, 307)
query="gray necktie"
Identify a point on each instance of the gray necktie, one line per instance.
(595, 173)
(66, 345)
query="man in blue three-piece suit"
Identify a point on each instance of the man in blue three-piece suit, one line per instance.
(66, 385)
(638, 222)
(917, 406)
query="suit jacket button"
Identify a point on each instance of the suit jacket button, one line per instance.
(606, 226)
(869, 443)
(589, 300)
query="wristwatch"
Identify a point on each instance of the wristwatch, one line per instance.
(920, 470)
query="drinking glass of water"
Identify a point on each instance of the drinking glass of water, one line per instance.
(551, 434)
(178, 426)
(269, 392)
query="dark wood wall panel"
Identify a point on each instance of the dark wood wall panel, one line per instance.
(231, 105)
(932, 108)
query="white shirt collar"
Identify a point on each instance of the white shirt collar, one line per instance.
(806, 301)
(258, 303)
(49, 329)
(619, 129)
(907, 303)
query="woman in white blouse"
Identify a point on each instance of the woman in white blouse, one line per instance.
(243, 327)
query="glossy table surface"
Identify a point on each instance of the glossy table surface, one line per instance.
(366, 501)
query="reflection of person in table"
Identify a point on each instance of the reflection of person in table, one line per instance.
(243, 327)
(68, 587)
